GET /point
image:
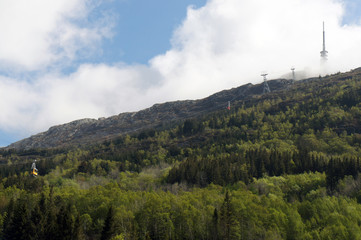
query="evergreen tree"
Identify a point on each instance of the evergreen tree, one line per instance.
(36, 223)
(108, 228)
(65, 223)
(229, 225)
(50, 210)
(215, 225)
(8, 220)
(18, 227)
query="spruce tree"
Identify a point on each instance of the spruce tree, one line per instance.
(108, 228)
(229, 225)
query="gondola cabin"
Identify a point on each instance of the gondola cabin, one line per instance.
(34, 170)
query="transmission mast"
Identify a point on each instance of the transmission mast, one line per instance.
(293, 75)
(324, 52)
(266, 88)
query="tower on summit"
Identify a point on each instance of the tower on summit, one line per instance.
(324, 52)
(266, 88)
(293, 74)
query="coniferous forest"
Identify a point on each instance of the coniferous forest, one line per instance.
(283, 165)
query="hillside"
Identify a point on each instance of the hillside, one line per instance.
(283, 165)
(90, 131)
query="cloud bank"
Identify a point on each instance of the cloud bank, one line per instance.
(221, 45)
(37, 34)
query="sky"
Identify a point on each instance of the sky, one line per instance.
(64, 60)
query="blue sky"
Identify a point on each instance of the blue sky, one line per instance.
(63, 60)
(142, 30)
(353, 11)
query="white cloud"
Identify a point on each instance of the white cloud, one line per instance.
(229, 43)
(93, 91)
(38, 33)
(18, 104)
(221, 45)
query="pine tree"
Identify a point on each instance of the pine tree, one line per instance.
(36, 223)
(215, 225)
(50, 216)
(108, 228)
(229, 225)
(65, 223)
(8, 220)
(18, 226)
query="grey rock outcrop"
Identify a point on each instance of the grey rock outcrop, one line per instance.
(90, 131)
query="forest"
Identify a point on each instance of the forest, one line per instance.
(283, 165)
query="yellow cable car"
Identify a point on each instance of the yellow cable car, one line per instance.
(34, 170)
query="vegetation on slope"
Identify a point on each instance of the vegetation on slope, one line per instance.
(279, 166)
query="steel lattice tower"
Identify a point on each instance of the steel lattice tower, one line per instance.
(266, 88)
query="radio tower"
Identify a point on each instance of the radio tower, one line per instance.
(293, 75)
(266, 88)
(324, 52)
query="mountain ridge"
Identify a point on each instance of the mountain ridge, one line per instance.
(89, 131)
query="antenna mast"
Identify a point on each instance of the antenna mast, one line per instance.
(324, 52)
(266, 88)
(293, 75)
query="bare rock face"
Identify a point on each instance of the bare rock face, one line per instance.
(90, 131)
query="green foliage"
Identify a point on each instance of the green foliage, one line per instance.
(279, 166)
(285, 207)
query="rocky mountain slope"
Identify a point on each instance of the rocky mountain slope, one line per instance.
(90, 131)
